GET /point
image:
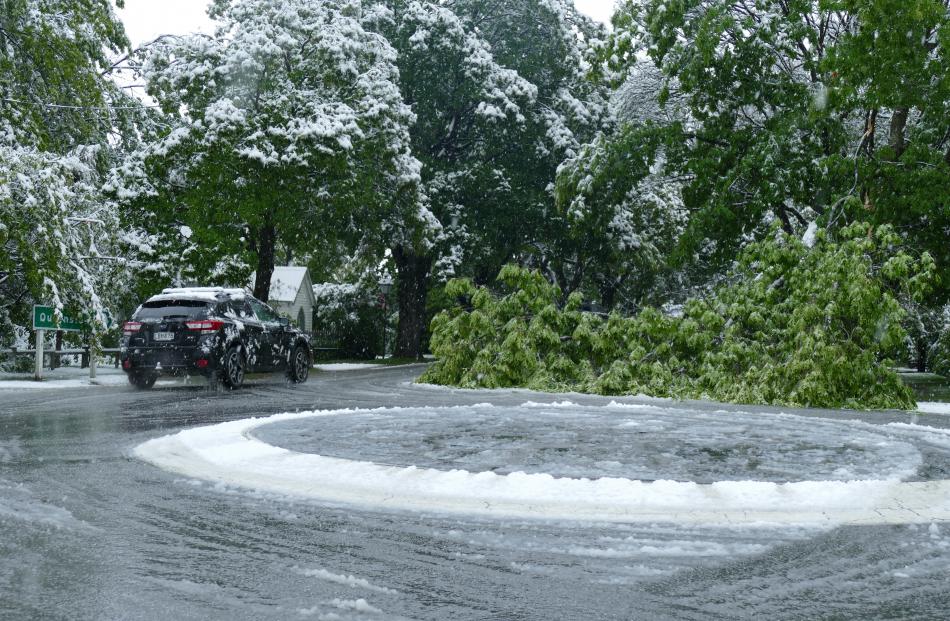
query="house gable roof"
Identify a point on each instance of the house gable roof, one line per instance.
(286, 282)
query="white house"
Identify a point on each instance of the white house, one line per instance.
(291, 295)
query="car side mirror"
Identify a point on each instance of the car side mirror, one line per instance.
(284, 321)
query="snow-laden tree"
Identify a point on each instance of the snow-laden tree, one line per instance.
(797, 111)
(53, 56)
(500, 97)
(619, 218)
(286, 129)
(547, 43)
(619, 212)
(59, 237)
(752, 129)
(62, 121)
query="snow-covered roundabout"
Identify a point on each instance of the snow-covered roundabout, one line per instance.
(621, 462)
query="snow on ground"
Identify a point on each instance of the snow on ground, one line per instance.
(529, 391)
(63, 377)
(348, 366)
(933, 407)
(229, 455)
(75, 377)
(344, 579)
(18, 502)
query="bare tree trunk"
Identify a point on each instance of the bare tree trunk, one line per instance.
(870, 126)
(786, 221)
(896, 134)
(413, 271)
(265, 245)
(608, 293)
(867, 146)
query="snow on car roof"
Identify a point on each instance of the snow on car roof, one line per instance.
(209, 294)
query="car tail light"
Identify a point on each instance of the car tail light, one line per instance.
(201, 364)
(131, 327)
(206, 326)
(126, 364)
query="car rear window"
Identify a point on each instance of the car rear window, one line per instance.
(173, 309)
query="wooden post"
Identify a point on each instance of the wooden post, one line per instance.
(38, 369)
(92, 358)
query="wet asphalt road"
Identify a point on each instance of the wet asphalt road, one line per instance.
(88, 532)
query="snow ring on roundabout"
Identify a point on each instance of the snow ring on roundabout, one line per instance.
(227, 453)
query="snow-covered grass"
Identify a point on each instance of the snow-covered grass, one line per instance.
(348, 366)
(75, 377)
(229, 455)
(531, 391)
(929, 407)
(933, 407)
(63, 377)
(379, 363)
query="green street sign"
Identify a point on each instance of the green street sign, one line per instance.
(44, 318)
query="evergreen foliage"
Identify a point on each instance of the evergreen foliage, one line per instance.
(796, 325)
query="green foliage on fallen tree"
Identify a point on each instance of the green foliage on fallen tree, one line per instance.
(795, 325)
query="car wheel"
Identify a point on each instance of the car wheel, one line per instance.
(143, 380)
(299, 368)
(233, 371)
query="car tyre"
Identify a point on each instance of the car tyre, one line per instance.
(143, 380)
(298, 367)
(233, 368)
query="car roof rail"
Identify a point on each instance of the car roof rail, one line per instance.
(218, 291)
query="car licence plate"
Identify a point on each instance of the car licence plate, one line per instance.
(163, 336)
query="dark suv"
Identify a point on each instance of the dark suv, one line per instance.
(219, 333)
